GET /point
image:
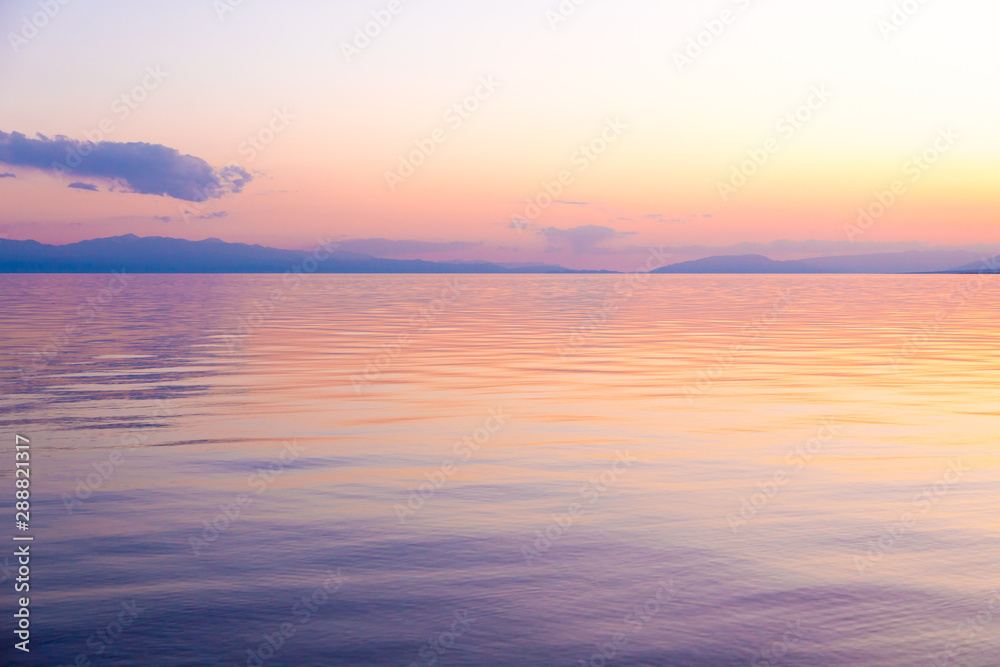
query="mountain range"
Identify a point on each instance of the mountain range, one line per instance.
(916, 261)
(156, 254)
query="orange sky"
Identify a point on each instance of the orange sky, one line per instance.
(779, 127)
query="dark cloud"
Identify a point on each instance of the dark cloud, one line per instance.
(140, 167)
(8, 175)
(162, 218)
(383, 247)
(581, 240)
(83, 186)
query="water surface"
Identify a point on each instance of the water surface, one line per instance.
(507, 470)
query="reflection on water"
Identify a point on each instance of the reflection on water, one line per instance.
(526, 470)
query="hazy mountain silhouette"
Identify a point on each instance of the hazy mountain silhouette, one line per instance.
(991, 265)
(156, 254)
(166, 255)
(916, 261)
(733, 264)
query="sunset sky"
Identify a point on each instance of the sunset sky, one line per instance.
(333, 117)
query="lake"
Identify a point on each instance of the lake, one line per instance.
(506, 470)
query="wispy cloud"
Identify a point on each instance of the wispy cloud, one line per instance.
(8, 175)
(519, 224)
(83, 186)
(140, 167)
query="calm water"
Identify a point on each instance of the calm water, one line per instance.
(707, 471)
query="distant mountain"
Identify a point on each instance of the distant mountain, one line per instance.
(991, 265)
(166, 255)
(913, 261)
(733, 264)
(917, 261)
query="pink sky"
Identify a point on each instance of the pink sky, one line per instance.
(453, 119)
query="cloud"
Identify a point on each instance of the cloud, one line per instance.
(8, 175)
(83, 186)
(383, 247)
(142, 168)
(519, 224)
(581, 240)
(213, 216)
(572, 203)
(162, 218)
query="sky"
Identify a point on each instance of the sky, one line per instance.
(582, 132)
